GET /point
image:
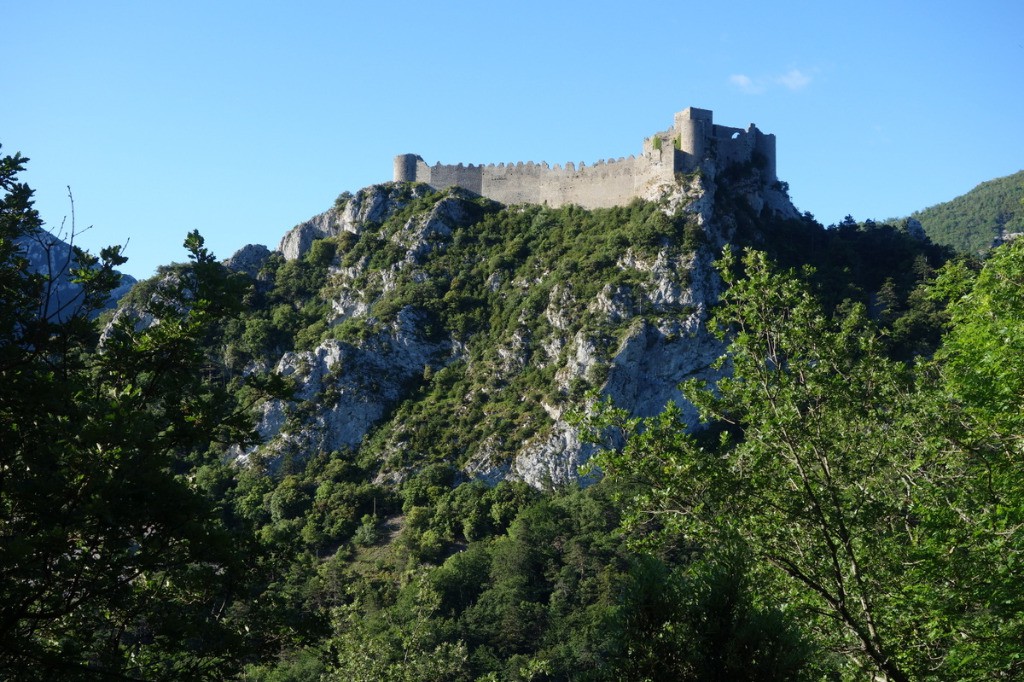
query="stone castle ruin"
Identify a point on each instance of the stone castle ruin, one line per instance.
(692, 140)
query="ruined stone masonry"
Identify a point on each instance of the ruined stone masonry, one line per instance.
(683, 148)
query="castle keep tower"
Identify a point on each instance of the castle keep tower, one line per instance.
(692, 140)
(405, 167)
(693, 130)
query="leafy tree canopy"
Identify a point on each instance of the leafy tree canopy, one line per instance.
(869, 511)
(113, 563)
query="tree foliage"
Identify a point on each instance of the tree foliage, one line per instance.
(850, 481)
(983, 353)
(112, 562)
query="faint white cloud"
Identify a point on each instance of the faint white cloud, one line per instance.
(746, 84)
(793, 80)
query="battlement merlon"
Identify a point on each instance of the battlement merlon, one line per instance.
(693, 139)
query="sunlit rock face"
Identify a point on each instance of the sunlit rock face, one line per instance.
(633, 342)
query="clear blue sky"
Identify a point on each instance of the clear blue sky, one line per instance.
(241, 119)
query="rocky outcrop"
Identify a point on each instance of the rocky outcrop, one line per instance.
(343, 390)
(915, 229)
(419, 236)
(423, 234)
(373, 204)
(248, 259)
(297, 241)
(653, 359)
(554, 460)
(664, 339)
(645, 369)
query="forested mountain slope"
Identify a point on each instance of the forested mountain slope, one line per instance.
(365, 456)
(428, 327)
(973, 222)
(455, 330)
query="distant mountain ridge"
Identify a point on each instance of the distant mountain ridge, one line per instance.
(973, 222)
(49, 255)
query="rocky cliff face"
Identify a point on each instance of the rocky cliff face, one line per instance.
(344, 390)
(403, 377)
(373, 205)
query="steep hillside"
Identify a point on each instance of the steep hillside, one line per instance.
(971, 223)
(445, 328)
(418, 327)
(407, 507)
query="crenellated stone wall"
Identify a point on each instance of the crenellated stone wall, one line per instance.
(693, 139)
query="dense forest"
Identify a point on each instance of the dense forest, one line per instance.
(975, 221)
(849, 505)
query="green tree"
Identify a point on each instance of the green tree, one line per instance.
(977, 505)
(702, 621)
(983, 353)
(399, 645)
(817, 472)
(882, 502)
(113, 564)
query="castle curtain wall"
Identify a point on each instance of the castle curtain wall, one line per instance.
(606, 183)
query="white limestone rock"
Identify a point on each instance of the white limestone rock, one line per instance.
(298, 240)
(554, 460)
(635, 343)
(248, 259)
(423, 234)
(560, 307)
(374, 204)
(652, 361)
(344, 390)
(487, 465)
(377, 203)
(614, 302)
(584, 357)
